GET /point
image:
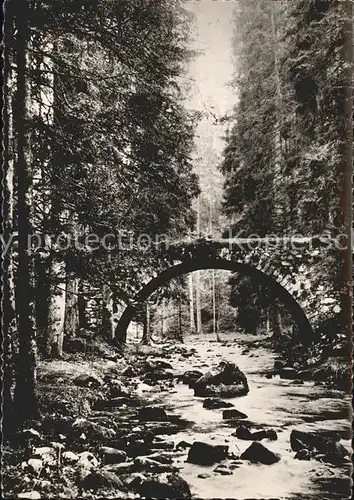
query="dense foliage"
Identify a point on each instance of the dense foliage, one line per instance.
(284, 161)
(99, 143)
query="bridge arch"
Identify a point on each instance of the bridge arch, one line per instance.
(204, 263)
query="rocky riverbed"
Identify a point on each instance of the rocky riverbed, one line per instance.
(200, 420)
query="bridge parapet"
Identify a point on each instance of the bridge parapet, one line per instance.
(295, 263)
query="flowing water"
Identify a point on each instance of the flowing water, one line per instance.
(271, 403)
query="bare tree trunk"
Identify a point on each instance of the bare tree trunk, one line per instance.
(25, 397)
(198, 303)
(278, 112)
(346, 180)
(163, 320)
(56, 310)
(277, 326)
(107, 313)
(191, 304)
(81, 302)
(71, 321)
(197, 281)
(179, 330)
(268, 322)
(146, 332)
(9, 308)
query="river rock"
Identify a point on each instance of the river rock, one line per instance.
(336, 454)
(206, 454)
(223, 470)
(233, 414)
(246, 435)
(31, 435)
(88, 380)
(163, 445)
(92, 431)
(289, 373)
(257, 453)
(153, 364)
(216, 403)
(167, 486)
(155, 376)
(149, 465)
(96, 480)
(46, 453)
(70, 457)
(226, 380)
(190, 377)
(305, 440)
(303, 455)
(35, 465)
(29, 495)
(152, 414)
(118, 389)
(278, 364)
(129, 372)
(112, 455)
(183, 445)
(87, 460)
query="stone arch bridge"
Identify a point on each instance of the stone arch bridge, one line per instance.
(291, 268)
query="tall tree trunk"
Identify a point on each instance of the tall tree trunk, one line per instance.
(179, 317)
(346, 181)
(9, 309)
(56, 310)
(25, 397)
(197, 280)
(277, 326)
(278, 113)
(81, 303)
(198, 303)
(163, 320)
(191, 304)
(146, 331)
(71, 321)
(215, 329)
(107, 326)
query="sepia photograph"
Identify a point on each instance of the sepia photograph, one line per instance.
(177, 249)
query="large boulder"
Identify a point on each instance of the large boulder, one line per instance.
(96, 480)
(166, 486)
(216, 404)
(325, 447)
(190, 377)
(206, 454)
(226, 380)
(257, 453)
(336, 455)
(92, 431)
(305, 440)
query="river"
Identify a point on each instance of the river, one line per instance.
(271, 403)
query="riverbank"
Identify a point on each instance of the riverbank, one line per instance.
(94, 440)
